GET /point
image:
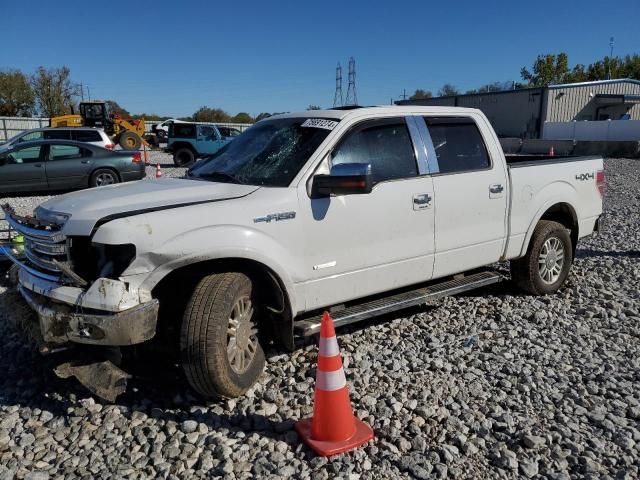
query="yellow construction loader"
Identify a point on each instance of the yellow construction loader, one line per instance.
(129, 134)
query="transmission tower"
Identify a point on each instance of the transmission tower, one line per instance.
(337, 97)
(352, 98)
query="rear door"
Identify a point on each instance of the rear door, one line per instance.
(22, 169)
(470, 192)
(68, 166)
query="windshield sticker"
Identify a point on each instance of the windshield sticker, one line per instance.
(320, 123)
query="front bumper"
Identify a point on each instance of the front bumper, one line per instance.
(59, 323)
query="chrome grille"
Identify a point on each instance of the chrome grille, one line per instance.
(41, 248)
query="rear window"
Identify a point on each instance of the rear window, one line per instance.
(87, 136)
(182, 130)
(458, 144)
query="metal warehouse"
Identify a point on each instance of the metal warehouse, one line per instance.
(523, 113)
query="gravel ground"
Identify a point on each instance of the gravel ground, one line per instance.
(493, 384)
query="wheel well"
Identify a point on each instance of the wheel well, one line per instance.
(105, 168)
(564, 214)
(178, 285)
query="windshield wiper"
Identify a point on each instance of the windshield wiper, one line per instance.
(220, 176)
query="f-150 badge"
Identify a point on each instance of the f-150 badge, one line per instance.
(276, 217)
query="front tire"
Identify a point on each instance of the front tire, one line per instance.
(221, 354)
(546, 265)
(129, 141)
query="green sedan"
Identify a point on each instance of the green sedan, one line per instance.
(65, 165)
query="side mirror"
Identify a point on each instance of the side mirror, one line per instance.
(344, 179)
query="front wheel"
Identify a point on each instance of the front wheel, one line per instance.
(183, 157)
(221, 354)
(546, 265)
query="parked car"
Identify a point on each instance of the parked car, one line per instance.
(94, 136)
(362, 211)
(63, 165)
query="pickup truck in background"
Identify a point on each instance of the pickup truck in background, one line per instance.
(362, 211)
(190, 141)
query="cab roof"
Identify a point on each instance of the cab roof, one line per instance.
(342, 112)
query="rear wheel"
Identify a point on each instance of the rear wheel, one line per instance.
(221, 353)
(183, 157)
(546, 265)
(103, 177)
(129, 141)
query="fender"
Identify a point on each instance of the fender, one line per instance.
(223, 241)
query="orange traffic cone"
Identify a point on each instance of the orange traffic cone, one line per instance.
(552, 153)
(158, 171)
(333, 428)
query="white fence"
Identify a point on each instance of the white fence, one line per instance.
(602, 130)
(10, 126)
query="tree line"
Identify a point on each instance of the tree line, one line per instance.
(552, 69)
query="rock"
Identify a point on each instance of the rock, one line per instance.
(189, 426)
(532, 441)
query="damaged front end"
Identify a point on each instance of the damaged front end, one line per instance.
(74, 287)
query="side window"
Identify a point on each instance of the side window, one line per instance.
(57, 135)
(183, 130)
(458, 144)
(24, 155)
(64, 152)
(386, 145)
(206, 131)
(30, 137)
(87, 136)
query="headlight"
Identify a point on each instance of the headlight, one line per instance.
(49, 216)
(112, 260)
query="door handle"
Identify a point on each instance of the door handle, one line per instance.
(37, 165)
(422, 201)
(496, 188)
(85, 161)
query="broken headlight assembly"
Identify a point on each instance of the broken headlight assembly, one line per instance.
(49, 216)
(113, 260)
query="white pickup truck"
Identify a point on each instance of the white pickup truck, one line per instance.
(362, 211)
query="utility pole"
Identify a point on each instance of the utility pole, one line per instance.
(81, 92)
(352, 98)
(337, 97)
(612, 41)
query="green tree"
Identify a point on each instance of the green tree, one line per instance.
(16, 94)
(547, 69)
(242, 117)
(419, 94)
(207, 114)
(54, 91)
(116, 109)
(448, 90)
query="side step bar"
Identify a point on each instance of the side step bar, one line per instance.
(380, 306)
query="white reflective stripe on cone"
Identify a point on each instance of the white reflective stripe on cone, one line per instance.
(329, 346)
(330, 381)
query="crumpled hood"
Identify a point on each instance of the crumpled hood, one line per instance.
(88, 207)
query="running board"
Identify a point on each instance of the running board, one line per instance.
(380, 306)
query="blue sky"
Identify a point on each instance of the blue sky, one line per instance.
(171, 57)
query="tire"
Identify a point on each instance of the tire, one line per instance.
(538, 272)
(103, 176)
(129, 141)
(206, 337)
(183, 157)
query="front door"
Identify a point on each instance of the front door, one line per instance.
(22, 169)
(470, 197)
(359, 245)
(208, 140)
(68, 166)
